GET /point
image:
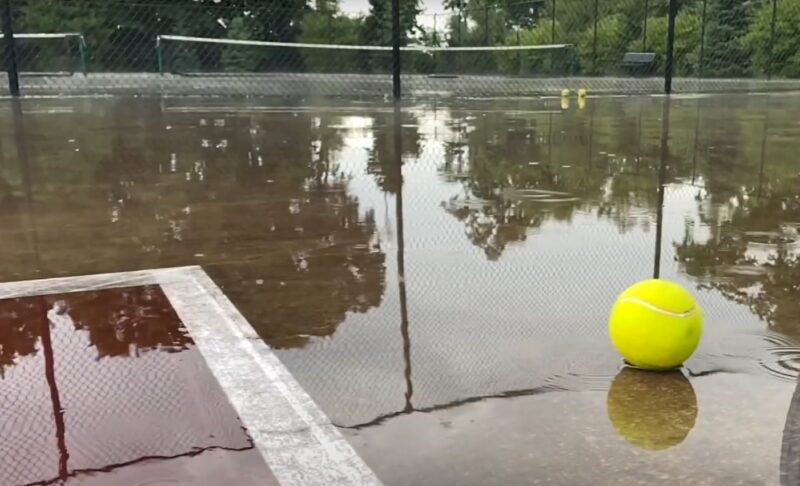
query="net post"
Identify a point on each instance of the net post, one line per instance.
(396, 49)
(84, 53)
(159, 55)
(10, 49)
(673, 12)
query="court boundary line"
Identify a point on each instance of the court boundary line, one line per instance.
(297, 440)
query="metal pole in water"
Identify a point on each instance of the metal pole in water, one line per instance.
(10, 49)
(396, 49)
(662, 175)
(673, 12)
(763, 155)
(397, 127)
(696, 140)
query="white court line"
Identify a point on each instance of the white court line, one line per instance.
(296, 439)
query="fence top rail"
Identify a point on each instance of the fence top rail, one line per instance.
(54, 35)
(255, 43)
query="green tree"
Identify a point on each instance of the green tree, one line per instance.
(55, 16)
(242, 58)
(782, 56)
(333, 28)
(378, 23)
(610, 46)
(532, 61)
(728, 23)
(687, 41)
(524, 14)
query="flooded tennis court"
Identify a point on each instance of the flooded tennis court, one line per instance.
(438, 278)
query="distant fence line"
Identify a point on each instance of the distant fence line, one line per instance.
(538, 39)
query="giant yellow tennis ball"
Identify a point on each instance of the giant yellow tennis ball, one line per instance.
(654, 411)
(656, 324)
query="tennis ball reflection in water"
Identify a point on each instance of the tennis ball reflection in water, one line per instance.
(654, 411)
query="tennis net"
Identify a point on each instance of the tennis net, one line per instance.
(203, 56)
(48, 54)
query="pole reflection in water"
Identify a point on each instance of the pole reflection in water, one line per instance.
(401, 274)
(696, 140)
(763, 154)
(25, 169)
(662, 172)
(21, 145)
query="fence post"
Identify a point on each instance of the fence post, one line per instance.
(10, 49)
(673, 12)
(486, 24)
(594, 37)
(553, 26)
(435, 44)
(644, 27)
(460, 40)
(396, 91)
(702, 38)
(771, 38)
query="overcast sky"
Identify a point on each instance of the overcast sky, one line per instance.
(428, 6)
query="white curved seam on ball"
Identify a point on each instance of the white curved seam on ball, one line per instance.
(658, 309)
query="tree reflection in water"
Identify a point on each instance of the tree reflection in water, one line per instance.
(258, 199)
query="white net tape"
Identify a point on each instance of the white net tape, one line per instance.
(253, 43)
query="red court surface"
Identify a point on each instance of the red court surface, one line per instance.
(104, 386)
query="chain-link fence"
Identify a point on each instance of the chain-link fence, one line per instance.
(510, 208)
(475, 47)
